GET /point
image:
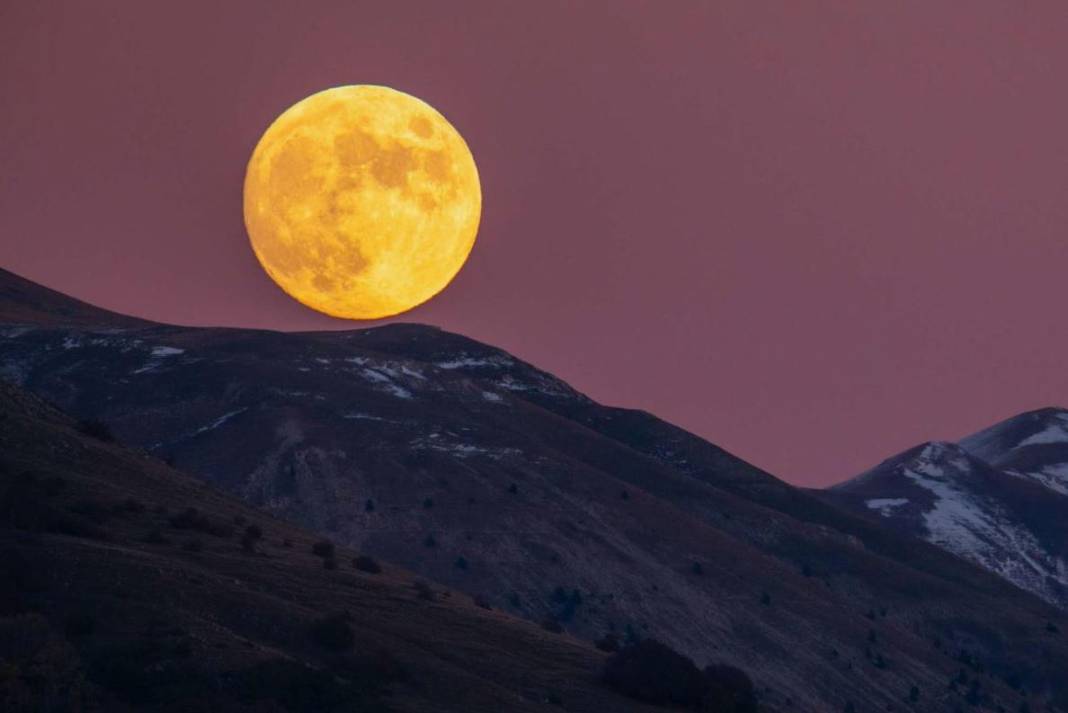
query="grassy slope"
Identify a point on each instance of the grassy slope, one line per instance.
(151, 624)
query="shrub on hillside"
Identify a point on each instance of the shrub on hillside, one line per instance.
(79, 624)
(423, 590)
(193, 519)
(365, 563)
(252, 535)
(92, 510)
(729, 689)
(95, 428)
(155, 537)
(130, 506)
(333, 632)
(609, 643)
(651, 671)
(323, 548)
(551, 624)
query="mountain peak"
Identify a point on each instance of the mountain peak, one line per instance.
(1003, 443)
(23, 302)
(996, 498)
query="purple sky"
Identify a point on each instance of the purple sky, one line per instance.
(814, 232)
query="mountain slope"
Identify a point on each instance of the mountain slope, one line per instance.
(110, 600)
(1033, 445)
(466, 465)
(944, 494)
(26, 302)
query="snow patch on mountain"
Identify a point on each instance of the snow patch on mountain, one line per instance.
(1055, 432)
(156, 355)
(386, 383)
(1054, 477)
(443, 443)
(467, 362)
(219, 421)
(885, 506)
(961, 519)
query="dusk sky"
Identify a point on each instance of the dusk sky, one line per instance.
(815, 233)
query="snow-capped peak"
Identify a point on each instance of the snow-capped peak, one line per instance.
(1040, 427)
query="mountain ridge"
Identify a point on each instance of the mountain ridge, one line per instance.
(998, 498)
(471, 467)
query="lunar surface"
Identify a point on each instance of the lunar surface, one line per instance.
(362, 201)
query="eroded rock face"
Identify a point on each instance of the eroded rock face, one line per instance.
(473, 468)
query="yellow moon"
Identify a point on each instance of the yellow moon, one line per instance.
(362, 201)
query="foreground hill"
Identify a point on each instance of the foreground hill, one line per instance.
(999, 498)
(114, 596)
(468, 466)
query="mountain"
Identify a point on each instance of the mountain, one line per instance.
(126, 585)
(466, 465)
(26, 302)
(1007, 522)
(1033, 445)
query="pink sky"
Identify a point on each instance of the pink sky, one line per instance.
(815, 233)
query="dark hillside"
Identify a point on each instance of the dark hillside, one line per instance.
(127, 585)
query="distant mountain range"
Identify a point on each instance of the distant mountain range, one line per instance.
(998, 498)
(462, 463)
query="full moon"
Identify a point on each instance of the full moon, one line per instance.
(362, 201)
